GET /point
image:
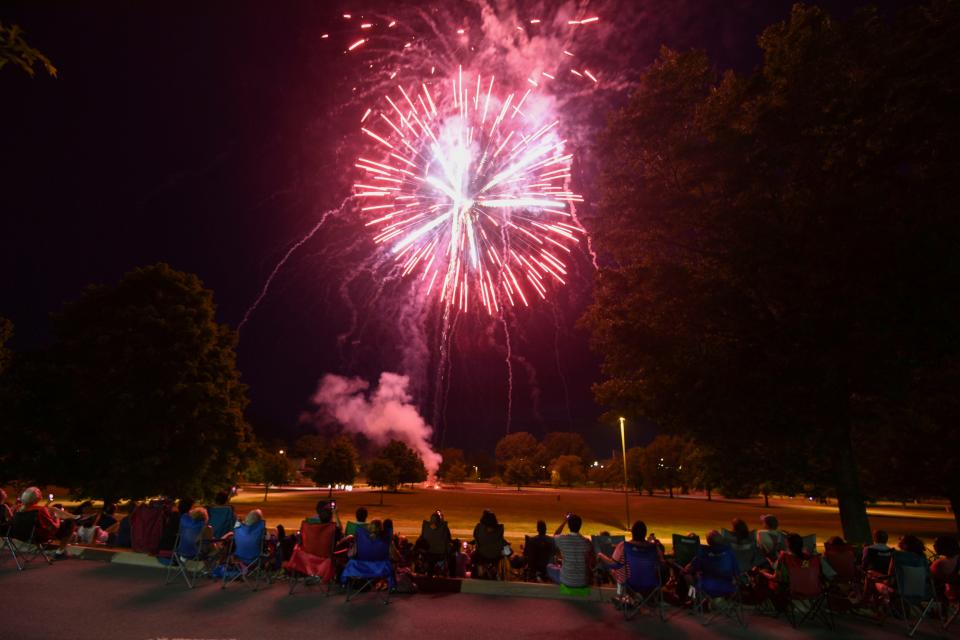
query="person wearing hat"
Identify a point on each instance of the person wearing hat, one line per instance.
(52, 523)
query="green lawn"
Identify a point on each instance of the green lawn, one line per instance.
(600, 510)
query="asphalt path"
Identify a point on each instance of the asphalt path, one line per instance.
(77, 599)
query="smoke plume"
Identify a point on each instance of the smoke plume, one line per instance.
(382, 414)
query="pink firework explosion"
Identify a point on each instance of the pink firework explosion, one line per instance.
(468, 191)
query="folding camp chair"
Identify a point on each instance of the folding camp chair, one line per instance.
(915, 595)
(606, 546)
(643, 586)
(222, 520)
(807, 599)
(312, 558)
(718, 585)
(745, 551)
(810, 543)
(369, 565)
(685, 549)
(845, 591)
(771, 543)
(246, 558)
(21, 541)
(538, 553)
(437, 546)
(188, 555)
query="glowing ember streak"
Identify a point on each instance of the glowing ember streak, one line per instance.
(356, 44)
(480, 209)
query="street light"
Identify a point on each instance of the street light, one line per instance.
(626, 485)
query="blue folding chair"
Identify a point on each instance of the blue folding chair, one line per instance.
(222, 520)
(370, 564)
(718, 584)
(643, 586)
(188, 555)
(246, 559)
(916, 593)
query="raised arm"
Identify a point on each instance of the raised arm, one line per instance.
(563, 523)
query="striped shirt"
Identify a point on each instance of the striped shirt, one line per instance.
(574, 572)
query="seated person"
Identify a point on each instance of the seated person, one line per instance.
(638, 538)
(222, 516)
(489, 543)
(52, 524)
(327, 512)
(171, 524)
(538, 551)
(6, 511)
(361, 521)
(435, 543)
(576, 567)
(770, 540)
(880, 538)
(946, 569)
(778, 581)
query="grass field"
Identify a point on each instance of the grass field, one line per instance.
(601, 511)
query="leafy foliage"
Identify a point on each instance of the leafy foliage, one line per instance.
(783, 245)
(336, 464)
(14, 50)
(568, 470)
(520, 471)
(406, 461)
(139, 395)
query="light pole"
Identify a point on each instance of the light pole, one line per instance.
(626, 484)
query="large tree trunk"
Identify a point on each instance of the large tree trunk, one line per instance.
(954, 495)
(853, 508)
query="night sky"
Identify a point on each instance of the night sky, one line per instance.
(213, 135)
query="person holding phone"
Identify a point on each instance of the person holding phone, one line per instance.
(577, 552)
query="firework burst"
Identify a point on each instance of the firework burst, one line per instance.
(469, 191)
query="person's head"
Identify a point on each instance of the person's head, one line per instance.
(387, 529)
(109, 508)
(324, 511)
(574, 522)
(541, 528)
(185, 505)
(913, 544)
(740, 529)
(489, 518)
(199, 513)
(770, 522)
(835, 541)
(946, 546)
(82, 508)
(436, 518)
(715, 538)
(795, 544)
(375, 528)
(30, 496)
(362, 514)
(221, 498)
(639, 530)
(880, 536)
(253, 517)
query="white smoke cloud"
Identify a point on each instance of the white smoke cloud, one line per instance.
(383, 413)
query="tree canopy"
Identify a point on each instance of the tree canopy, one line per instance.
(782, 246)
(139, 395)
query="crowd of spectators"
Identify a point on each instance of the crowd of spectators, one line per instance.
(568, 558)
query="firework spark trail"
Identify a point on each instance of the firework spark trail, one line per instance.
(273, 274)
(556, 353)
(509, 361)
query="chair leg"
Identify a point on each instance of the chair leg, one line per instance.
(295, 577)
(923, 614)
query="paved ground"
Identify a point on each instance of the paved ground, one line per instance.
(82, 600)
